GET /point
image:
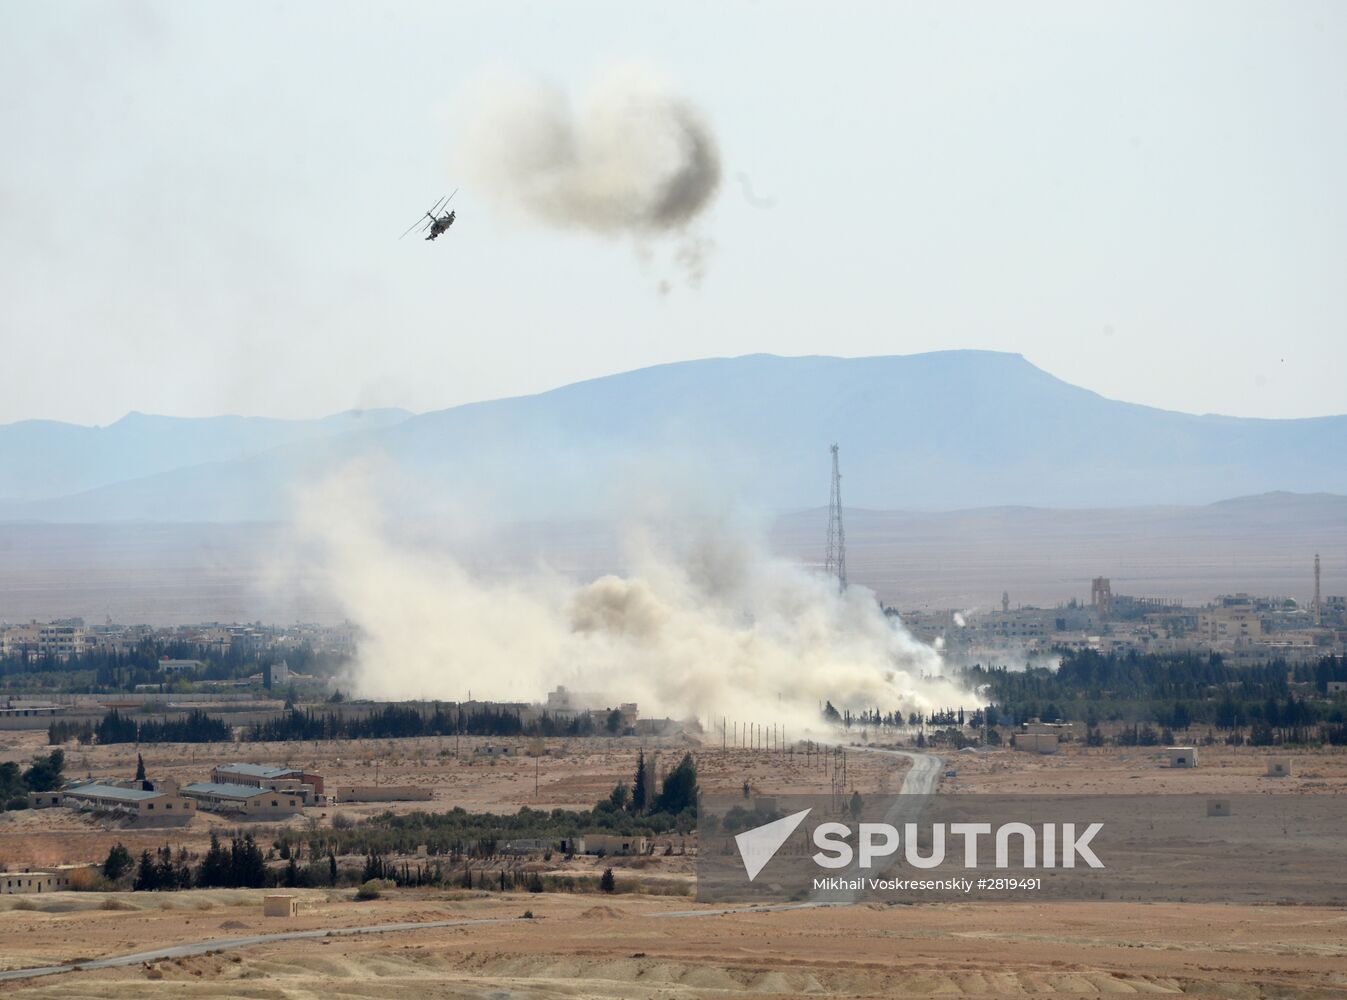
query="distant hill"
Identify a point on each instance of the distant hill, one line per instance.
(930, 431)
(46, 458)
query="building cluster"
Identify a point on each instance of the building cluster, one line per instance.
(66, 637)
(1238, 626)
(240, 790)
(245, 791)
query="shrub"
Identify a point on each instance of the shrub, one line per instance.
(373, 888)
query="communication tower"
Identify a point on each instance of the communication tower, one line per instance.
(835, 563)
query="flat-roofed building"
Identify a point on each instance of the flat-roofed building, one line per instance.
(1182, 756)
(603, 843)
(28, 715)
(22, 883)
(1234, 624)
(160, 803)
(267, 776)
(1037, 742)
(244, 800)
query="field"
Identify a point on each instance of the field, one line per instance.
(1079, 770)
(638, 944)
(633, 946)
(564, 774)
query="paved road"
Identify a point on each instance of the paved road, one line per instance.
(920, 779)
(227, 944)
(924, 775)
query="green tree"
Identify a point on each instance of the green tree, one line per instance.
(147, 874)
(680, 787)
(46, 773)
(215, 870)
(249, 868)
(640, 794)
(118, 862)
(140, 768)
(13, 792)
(606, 882)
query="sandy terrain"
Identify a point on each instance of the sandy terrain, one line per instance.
(1083, 770)
(636, 945)
(630, 946)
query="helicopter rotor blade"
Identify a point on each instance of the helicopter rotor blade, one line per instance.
(411, 227)
(451, 197)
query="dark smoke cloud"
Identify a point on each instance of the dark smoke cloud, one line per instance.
(629, 158)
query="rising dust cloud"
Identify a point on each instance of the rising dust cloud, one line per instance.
(704, 624)
(629, 158)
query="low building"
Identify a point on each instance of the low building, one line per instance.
(608, 844)
(526, 845)
(279, 906)
(28, 715)
(248, 801)
(657, 727)
(161, 803)
(21, 883)
(270, 776)
(1036, 742)
(1182, 756)
(1062, 730)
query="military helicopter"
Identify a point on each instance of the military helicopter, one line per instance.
(438, 223)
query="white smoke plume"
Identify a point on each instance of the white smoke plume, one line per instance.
(629, 158)
(707, 626)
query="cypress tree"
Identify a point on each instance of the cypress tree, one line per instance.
(147, 875)
(639, 793)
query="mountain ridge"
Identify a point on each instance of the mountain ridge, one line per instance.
(938, 430)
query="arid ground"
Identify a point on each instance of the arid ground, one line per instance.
(635, 944)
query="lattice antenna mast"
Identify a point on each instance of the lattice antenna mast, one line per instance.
(835, 564)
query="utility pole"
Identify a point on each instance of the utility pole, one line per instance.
(835, 563)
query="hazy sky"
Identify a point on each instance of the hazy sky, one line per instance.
(200, 203)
